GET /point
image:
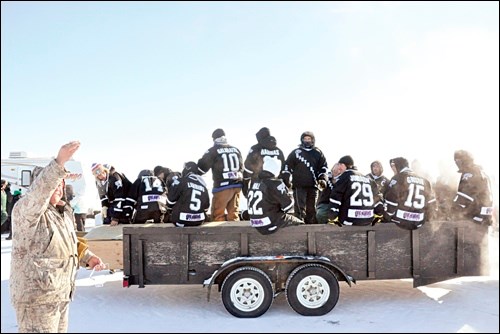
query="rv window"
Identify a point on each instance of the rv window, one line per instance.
(25, 178)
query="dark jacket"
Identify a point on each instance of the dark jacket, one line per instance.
(474, 196)
(113, 193)
(226, 163)
(268, 202)
(254, 160)
(410, 200)
(355, 199)
(306, 166)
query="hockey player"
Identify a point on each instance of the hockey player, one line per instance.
(306, 171)
(354, 199)
(474, 196)
(409, 198)
(226, 163)
(113, 188)
(188, 198)
(268, 200)
(376, 175)
(323, 205)
(148, 195)
(265, 147)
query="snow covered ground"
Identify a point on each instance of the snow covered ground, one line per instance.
(463, 305)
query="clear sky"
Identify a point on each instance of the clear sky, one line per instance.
(142, 84)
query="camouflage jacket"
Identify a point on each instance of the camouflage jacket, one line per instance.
(45, 246)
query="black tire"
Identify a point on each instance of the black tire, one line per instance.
(312, 290)
(247, 292)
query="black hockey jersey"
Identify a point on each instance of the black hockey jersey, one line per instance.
(307, 166)
(324, 196)
(113, 193)
(149, 197)
(226, 163)
(381, 181)
(189, 200)
(409, 200)
(355, 199)
(474, 196)
(254, 160)
(173, 179)
(268, 202)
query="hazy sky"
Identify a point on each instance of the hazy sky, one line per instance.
(142, 84)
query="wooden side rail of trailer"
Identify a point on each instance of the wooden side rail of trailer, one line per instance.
(306, 262)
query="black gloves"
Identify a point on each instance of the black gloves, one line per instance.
(322, 185)
(286, 180)
(245, 215)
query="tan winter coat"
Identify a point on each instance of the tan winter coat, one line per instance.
(45, 247)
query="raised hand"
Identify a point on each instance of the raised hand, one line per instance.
(66, 152)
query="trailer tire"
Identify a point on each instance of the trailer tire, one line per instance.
(247, 292)
(312, 290)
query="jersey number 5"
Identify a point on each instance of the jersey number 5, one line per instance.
(195, 204)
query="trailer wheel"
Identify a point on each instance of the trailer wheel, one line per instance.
(247, 292)
(312, 290)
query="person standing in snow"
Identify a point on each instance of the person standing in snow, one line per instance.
(46, 252)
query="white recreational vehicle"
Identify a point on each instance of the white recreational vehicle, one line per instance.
(18, 167)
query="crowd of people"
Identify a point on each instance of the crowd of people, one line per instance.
(299, 186)
(298, 189)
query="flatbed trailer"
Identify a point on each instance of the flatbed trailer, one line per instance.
(305, 262)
